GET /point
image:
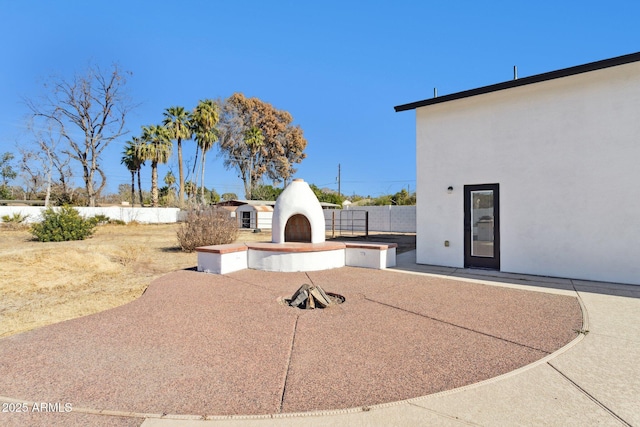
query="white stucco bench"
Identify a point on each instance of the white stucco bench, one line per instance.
(222, 259)
(371, 255)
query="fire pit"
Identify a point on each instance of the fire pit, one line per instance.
(309, 297)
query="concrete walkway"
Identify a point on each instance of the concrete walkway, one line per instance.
(595, 380)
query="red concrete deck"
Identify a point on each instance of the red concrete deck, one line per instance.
(209, 344)
(223, 249)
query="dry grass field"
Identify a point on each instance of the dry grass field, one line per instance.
(45, 283)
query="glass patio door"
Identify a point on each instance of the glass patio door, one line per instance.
(482, 226)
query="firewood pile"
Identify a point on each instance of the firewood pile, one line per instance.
(311, 297)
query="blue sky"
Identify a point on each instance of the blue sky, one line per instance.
(339, 67)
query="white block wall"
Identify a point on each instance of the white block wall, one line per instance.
(126, 214)
(398, 219)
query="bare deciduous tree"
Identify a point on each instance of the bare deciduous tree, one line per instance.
(32, 175)
(89, 112)
(7, 174)
(46, 152)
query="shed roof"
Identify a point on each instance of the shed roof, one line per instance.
(254, 208)
(565, 72)
(238, 202)
(327, 205)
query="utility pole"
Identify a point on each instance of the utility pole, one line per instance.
(339, 193)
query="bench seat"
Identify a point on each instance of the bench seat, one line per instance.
(370, 255)
(222, 259)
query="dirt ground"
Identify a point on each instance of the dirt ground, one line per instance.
(45, 283)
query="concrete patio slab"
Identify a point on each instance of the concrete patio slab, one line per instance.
(539, 396)
(612, 315)
(608, 369)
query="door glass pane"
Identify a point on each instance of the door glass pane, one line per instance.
(246, 219)
(482, 223)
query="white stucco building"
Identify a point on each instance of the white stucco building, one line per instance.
(252, 215)
(538, 175)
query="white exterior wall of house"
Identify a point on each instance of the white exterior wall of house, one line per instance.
(566, 153)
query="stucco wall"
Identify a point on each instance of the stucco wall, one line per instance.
(126, 214)
(565, 153)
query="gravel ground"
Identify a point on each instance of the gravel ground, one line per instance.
(205, 344)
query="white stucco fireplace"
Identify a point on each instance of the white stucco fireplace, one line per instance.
(297, 242)
(297, 216)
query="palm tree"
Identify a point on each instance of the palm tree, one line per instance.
(254, 139)
(156, 147)
(169, 179)
(132, 160)
(190, 188)
(177, 120)
(205, 120)
(170, 196)
(128, 159)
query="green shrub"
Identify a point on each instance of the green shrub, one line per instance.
(62, 224)
(15, 221)
(16, 218)
(210, 226)
(100, 219)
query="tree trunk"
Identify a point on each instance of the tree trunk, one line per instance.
(139, 188)
(133, 188)
(204, 156)
(245, 181)
(154, 184)
(48, 193)
(91, 196)
(49, 173)
(181, 173)
(88, 182)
